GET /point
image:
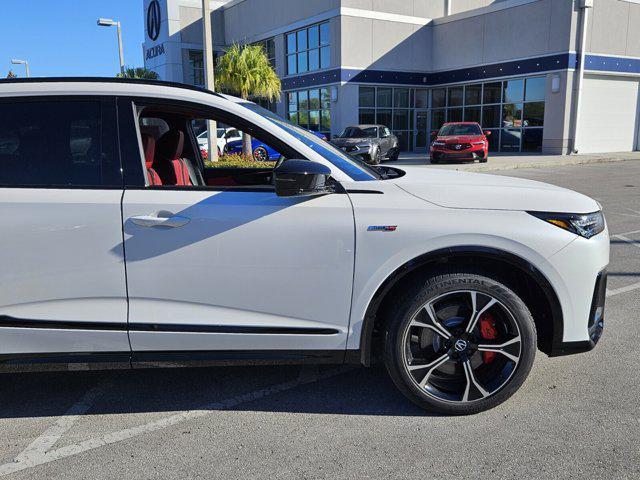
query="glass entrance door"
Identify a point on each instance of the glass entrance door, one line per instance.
(421, 131)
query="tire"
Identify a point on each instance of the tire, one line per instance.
(484, 159)
(434, 161)
(260, 154)
(394, 156)
(461, 377)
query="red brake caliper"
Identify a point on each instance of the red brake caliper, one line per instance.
(489, 332)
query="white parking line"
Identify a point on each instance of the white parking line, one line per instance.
(37, 455)
(37, 449)
(628, 288)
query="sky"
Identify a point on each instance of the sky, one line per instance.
(61, 38)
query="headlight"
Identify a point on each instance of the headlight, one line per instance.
(477, 143)
(586, 225)
(438, 144)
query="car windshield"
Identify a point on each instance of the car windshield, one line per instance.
(357, 170)
(459, 129)
(357, 132)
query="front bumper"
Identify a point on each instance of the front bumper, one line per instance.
(474, 153)
(595, 325)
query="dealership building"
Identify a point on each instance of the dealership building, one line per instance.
(548, 76)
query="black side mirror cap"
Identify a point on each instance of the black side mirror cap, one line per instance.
(301, 178)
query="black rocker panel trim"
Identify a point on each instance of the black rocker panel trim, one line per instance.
(11, 322)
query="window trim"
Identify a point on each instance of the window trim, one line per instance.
(108, 101)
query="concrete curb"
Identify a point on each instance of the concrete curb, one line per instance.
(562, 161)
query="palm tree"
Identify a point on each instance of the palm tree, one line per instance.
(139, 72)
(245, 71)
(11, 74)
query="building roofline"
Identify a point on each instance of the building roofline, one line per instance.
(123, 81)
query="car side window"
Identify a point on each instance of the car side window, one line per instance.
(386, 132)
(58, 143)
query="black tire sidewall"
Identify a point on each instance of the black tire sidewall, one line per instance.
(436, 286)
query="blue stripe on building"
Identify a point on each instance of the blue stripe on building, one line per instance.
(529, 66)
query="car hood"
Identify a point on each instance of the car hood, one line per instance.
(460, 139)
(343, 142)
(454, 189)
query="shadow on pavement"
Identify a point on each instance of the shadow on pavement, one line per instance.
(292, 389)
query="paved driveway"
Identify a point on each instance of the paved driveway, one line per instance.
(575, 417)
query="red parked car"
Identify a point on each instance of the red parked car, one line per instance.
(460, 141)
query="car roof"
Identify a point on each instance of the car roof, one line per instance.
(461, 123)
(365, 125)
(119, 84)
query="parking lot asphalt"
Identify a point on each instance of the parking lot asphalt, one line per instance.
(575, 417)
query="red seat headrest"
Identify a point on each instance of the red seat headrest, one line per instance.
(169, 146)
(149, 147)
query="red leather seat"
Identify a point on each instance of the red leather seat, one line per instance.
(149, 146)
(168, 162)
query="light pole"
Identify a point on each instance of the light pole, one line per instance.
(22, 62)
(108, 22)
(207, 56)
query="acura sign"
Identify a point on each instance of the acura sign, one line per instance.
(154, 18)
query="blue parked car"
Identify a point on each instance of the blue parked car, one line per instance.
(261, 151)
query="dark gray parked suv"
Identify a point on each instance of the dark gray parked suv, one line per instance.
(373, 143)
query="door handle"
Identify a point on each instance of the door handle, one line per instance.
(160, 219)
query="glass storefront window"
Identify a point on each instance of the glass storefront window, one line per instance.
(367, 116)
(367, 97)
(490, 116)
(456, 96)
(473, 94)
(455, 115)
(401, 98)
(512, 115)
(384, 98)
(311, 109)
(492, 92)
(472, 114)
(532, 140)
(400, 120)
(383, 117)
(438, 97)
(513, 91)
(510, 140)
(535, 89)
(533, 114)
(438, 117)
(422, 98)
(494, 140)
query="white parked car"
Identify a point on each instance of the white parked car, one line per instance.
(225, 135)
(118, 244)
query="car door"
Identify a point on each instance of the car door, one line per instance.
(213, 269)
(62, 281)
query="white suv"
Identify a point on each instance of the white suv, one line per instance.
(118, 244)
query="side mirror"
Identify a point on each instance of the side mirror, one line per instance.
(434, 133)
(301, 178)
(487, 133)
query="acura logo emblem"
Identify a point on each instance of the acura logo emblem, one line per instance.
(458, 147)
(153, 20)
(460, 345)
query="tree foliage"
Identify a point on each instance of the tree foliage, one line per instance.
(139, 72)
(245, 71)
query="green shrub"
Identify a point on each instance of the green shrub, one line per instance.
(237, 160)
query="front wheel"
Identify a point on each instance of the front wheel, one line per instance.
(484, 159)
(460, 343)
